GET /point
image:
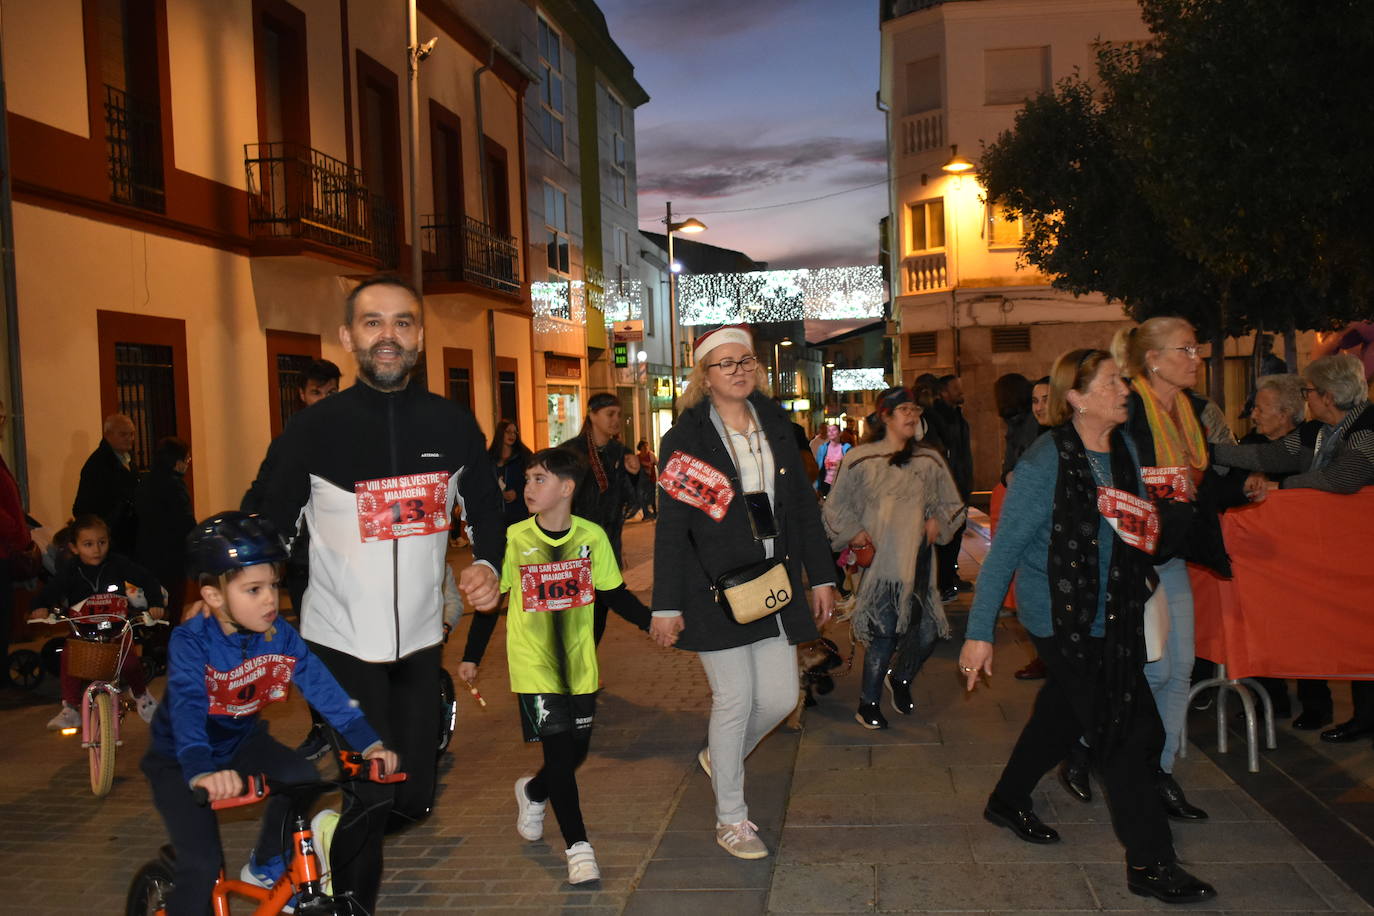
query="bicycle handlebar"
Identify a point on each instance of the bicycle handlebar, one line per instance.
(142, 620)
(258, 786)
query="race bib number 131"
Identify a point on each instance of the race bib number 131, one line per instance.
(402, 507)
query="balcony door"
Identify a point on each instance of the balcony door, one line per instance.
(446, 249)
(379, 130)
(283, 97)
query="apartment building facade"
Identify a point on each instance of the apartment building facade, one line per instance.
(954, 74)
(198, 184)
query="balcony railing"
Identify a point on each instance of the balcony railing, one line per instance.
(295, 192)
(925, 272)
(462, 248)
(133, 140)
(921, 132)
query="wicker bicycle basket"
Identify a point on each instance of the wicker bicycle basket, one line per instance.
(92, 661)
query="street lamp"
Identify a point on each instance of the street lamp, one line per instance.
(957, 165)
(777, 364)
(688, 225)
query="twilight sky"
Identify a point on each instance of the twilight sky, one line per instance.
(758, 102)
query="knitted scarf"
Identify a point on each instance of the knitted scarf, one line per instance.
(595, 460)
(1075, 580)
(1180, 444)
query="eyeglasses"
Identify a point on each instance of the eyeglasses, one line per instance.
(731, 366)
(1192, 350)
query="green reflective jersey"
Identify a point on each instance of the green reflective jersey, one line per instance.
(552, 584)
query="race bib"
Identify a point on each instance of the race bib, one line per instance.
(103, 604)
(250, 686)
(557, 586)
(402, 507)
(694, 482)
(1168, 483)
(1134, 519)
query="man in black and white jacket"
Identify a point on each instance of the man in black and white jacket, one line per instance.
(375, 472)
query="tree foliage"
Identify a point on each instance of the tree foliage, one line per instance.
(1219, 171)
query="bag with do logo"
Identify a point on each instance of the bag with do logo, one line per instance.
(755, 591)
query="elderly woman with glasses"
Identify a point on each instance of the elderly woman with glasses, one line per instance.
(737, 504)
(1172, 428)
(1081, 586)
(884, 487)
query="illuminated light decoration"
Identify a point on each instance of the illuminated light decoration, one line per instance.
(857, 380)
(763, 296)
(560, 309)
(623, 300)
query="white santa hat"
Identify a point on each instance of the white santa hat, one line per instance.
(730, 333)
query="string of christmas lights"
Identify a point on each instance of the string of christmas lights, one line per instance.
(857, 380)
(763, 296)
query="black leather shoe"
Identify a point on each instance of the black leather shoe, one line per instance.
(1034, 671)
(1167, 882)
(1022, 823)
(870, 716)
(949, 594)
(1175, 802)
(900, 694)
(1310, 720)
(1346, 732)
(1073, 774)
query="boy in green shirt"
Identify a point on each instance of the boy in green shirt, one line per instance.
(555, 565)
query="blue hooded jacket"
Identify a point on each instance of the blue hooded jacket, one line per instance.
(218, 683)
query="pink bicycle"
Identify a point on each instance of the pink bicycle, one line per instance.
(102, 636)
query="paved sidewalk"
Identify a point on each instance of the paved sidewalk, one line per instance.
(859, 821)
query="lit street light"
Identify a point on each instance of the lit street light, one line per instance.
(688, 225)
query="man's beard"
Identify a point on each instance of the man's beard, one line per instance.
(387, 380)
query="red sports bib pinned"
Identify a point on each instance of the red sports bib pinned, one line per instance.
(102, 604)
(557, 586)
(402, 507)
(1134, 519)
(250, 686)
(694, 482)
(1168, 483)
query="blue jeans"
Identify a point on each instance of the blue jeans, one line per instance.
(915, 645)
(1170, 678)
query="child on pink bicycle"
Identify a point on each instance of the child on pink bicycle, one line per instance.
(223, 668)
(103, 581)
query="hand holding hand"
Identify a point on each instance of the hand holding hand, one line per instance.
(665, 630)
(480, 586)
(974, 658)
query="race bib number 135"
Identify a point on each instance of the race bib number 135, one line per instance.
(402, 507)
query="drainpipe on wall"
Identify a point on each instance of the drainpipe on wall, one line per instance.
(20, 456)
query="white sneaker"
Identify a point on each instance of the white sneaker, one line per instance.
(741, 840)
(529, 815)
(704, 758)
(322, 828)
(67, 718)
(147, 705)
(582, 867)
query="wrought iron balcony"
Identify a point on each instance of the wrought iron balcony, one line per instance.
(295, 192)
(469, 250)
(133, 140)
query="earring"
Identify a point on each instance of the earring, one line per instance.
(1155, 370)
(1082, 410)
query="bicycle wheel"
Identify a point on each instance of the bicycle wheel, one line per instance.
(102, 743)
(24, 668)
(448, 709)
(148, 891)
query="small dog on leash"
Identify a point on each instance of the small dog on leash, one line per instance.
(816, 659)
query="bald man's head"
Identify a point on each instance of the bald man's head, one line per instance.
(119, 431)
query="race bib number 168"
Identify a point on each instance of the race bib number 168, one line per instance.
(402, 507)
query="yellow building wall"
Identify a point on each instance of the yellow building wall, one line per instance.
(211, 72)
(45, 63)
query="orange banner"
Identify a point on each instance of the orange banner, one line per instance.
(1300, 603)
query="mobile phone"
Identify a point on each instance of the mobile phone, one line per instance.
(761, 518)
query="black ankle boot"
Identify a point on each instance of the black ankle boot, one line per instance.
(1175, 802)
(900, 693)
(870, 716)
(1073, 773)
(1166, 881)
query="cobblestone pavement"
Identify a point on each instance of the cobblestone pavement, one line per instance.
(859, 821)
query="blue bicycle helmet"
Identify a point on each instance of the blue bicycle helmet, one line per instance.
(232, 540)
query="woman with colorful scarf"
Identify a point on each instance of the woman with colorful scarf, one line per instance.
(1171, 427)
(610, 482)
(1075, 532)
(882, 488)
